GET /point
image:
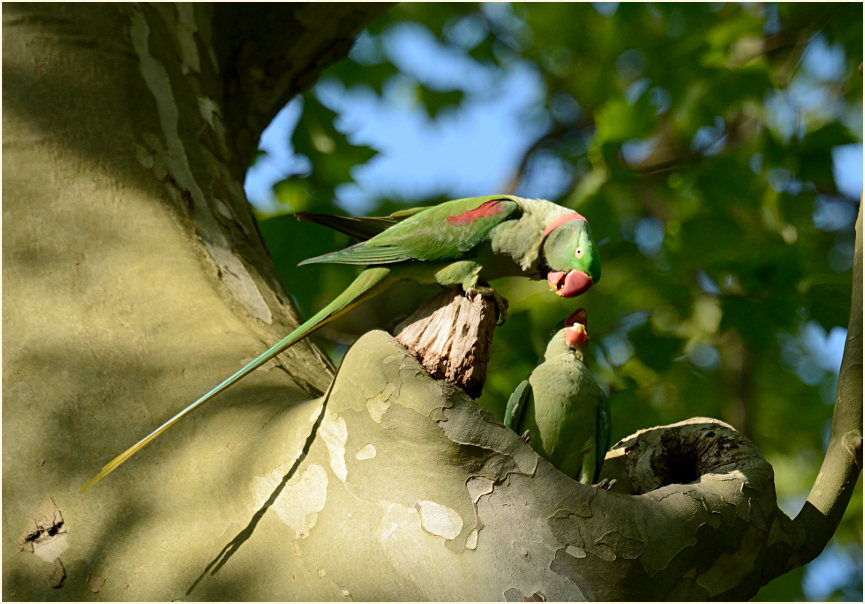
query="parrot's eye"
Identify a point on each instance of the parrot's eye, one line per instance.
(578, 252)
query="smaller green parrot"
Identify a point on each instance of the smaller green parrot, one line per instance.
(560, 410)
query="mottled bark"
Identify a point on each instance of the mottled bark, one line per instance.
(410, 476)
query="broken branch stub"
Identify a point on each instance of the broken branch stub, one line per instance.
(450, 335)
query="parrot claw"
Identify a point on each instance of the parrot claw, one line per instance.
(526, 438)
(488, 292)
(605, 484)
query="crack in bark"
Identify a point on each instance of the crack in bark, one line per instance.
(232, 546)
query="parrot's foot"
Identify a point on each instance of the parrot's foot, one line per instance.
(605, 484)
(489, 292)
(526, 438)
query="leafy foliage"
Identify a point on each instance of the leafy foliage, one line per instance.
(698, 139)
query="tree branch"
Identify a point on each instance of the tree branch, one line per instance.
(843, 461)
(432, 481)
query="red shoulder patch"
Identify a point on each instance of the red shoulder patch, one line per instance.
(562, 220)
(485, 210)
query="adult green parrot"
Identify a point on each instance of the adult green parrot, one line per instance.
(560, 410)
(464, 242)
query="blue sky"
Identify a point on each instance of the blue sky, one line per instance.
(471, 151)
(474, 150)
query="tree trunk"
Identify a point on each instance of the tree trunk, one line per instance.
(135, 279)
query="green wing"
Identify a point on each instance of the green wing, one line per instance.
(440, 233)
(359, 227)
(517, 405)
(602, 443)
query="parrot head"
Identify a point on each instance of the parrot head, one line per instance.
(568, 258)
(572, 340)
(576, 334)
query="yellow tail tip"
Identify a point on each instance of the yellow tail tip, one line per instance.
(105, 472)
(117, 461)
(89, 484)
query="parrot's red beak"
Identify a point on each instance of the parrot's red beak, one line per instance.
(576, 335)
(570, 284)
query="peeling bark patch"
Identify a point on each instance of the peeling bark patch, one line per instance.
(576, 552)
(733, 567)
(563, 564)
(390, 389)
(620, 545)
(239, 282)
(513, 594)
(334, 432)
(479, 486)
(459, 426)
(604, 552)
(472, 540)
(408, 548)
(565, 523)
(366, 452)
(232, 271)
(208, 109)
(144, 156)
(852, 441)
(379, 398)
(566, 566)
(95, 583)
(58, 574)
(377, 408)
(222, 209)
(439, 520)
(47, 536)
(300, 501)
(185, 37)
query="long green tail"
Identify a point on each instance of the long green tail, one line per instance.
(368, 284)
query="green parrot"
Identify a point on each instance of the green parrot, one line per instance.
(560, 410)
(464, 242)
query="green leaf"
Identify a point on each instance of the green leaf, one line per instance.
(292, 193)
(618, 120)
(331, 154)
(435, 101)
